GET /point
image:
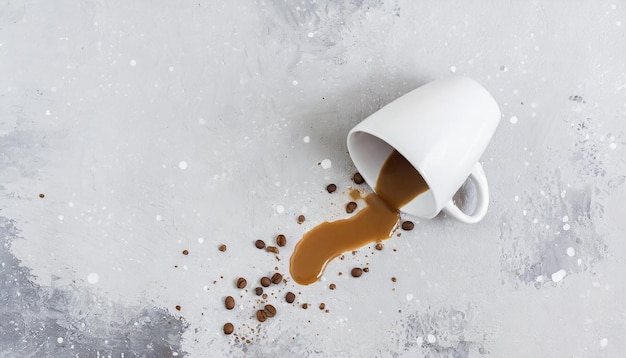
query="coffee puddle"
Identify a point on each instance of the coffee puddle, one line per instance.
(398, 183)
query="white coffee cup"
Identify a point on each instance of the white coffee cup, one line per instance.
(442, 128)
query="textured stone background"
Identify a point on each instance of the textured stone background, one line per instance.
(158, 126)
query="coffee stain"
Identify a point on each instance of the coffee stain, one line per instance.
(398, 183)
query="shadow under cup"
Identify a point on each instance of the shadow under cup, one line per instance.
(369, 153)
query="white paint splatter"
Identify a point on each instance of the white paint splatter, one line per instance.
(452, 69)
(47, 112)
(516, 198)
(200, 240)
(558, 276)
(571, 252)
(431, 338)
(133, 62)
(306, 139)
(93, 278)
(60, 340)
(171, 68)
(618, 23)
(409, 296)
(566, 227)
(183, 165)
(70, 204)
(295, 83)
(61, 217)
(419, 341)
(604, 342)
(565, 218)
(310, 34)
(280, 209)
(326, 163)
(277, 183)
(612, 145)
(579, 262)
(304, 209)
(513, 120)
(159, 218)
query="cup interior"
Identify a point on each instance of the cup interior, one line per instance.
(369, 153)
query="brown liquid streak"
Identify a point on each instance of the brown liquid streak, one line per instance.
(398, 183)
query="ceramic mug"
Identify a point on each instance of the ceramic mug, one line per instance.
(442, 128)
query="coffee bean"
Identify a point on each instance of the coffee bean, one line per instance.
(276, 278)
(301, 219)
(270, 311)
(290, 297)
(281, 240)
(264, 296)
(273, 249)
(356, 272)
(185, 252)
(322, 305)
(305, 305)
(259, 244)
(241, 282)
(261, 316)
(258, 291)
(228, 328)
(331, 188)
(358, 178)
(332, 286)
(265, 281)
(178, 308)
(229, 302)
(351, 207)
(408, 225)
(379, 246)
(222, 248)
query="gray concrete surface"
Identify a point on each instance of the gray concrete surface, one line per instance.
(154, 127)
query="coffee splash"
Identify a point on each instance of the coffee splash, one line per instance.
(398, 183)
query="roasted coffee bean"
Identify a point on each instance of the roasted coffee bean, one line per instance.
(273, 249)
(290, 297)
(351, 207)
(229, 302)
(258, 291)
(379, 246)
(261, 316)
(270, 311)
(356, 272)
(301, 219)
(259, 244)
(185, 252)
(241, 282)
(358, 178)
(228, 328)
(408, 225)
(265, 281)
(222, 248)
(332, 286)
(331, 188)
(322, 305)
(281, 240)
(276, 278)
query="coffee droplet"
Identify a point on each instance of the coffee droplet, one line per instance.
(398, 183)
(356, 272)
(222, 248)
(229, 302)
(259, 244)
(301, 219)
(41, 196)
(408, 226)
(258, 291)
(273, 249)
(178, 308)
(281, 240)
(332, 286)
(290, 297)
(393, 279)
(331, 188)
(185, 252)
(358, 178)
(322, 305)
(229, 328)
(241, 282)
(366, 269)
(305, 305)
(379, 246)
(351, 207)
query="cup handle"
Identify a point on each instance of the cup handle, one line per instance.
(482, 199)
